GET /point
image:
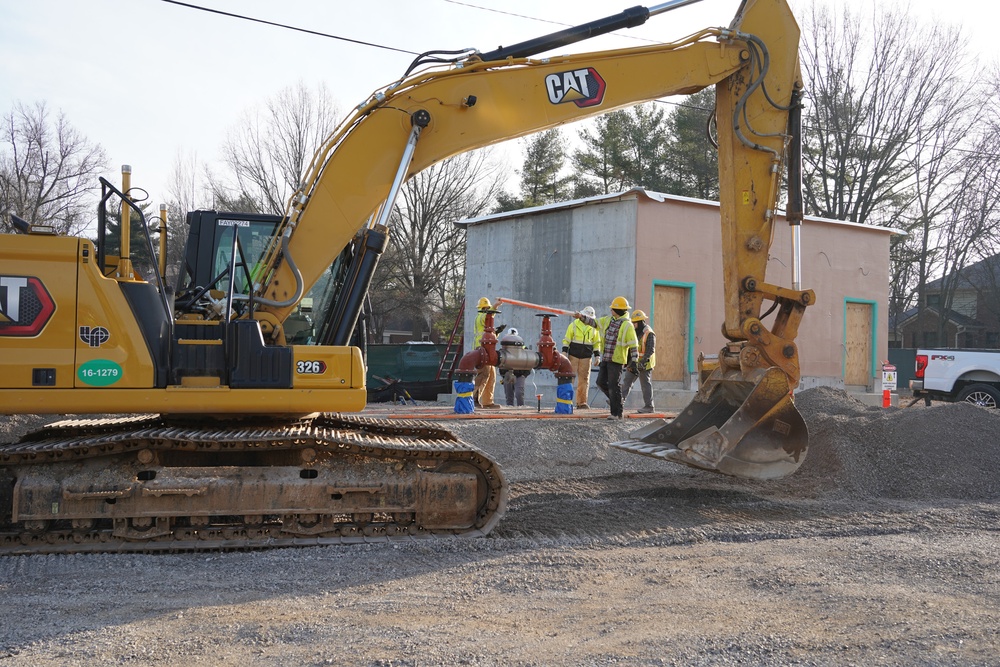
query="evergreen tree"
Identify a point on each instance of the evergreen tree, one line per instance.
(691, 161)
(599, 165)
(544, 157)
(645, 139)
(623, 150)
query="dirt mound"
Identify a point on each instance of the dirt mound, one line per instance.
(917, 453)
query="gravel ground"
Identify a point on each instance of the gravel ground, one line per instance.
(882, 549)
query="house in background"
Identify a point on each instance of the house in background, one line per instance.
(971, 320)
(663, 253)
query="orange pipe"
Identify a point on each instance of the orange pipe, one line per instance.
(525, 304)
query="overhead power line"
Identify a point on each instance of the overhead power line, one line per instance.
(288, 27)
(500, 11)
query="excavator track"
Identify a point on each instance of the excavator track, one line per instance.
(152, 483)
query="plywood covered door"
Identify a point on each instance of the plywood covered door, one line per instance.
(670, 322)
(858, 328)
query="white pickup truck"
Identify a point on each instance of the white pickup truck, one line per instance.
(958, 375)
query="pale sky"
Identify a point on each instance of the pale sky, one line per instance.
(150, 80)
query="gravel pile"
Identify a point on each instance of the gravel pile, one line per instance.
(948, 450)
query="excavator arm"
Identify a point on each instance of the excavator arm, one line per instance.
(432, 116)
(743, 421)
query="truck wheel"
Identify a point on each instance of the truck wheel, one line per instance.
(981, 394)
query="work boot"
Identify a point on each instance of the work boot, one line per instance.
(616, 417)
(644, 410)
(477, 403)
(491, 406)
(583, 407)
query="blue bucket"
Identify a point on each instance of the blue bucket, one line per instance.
(463, 398)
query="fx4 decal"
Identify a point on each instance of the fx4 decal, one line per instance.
(583, 87)
(25, 306)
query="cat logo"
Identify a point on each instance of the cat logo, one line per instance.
(25, 306)
(583, 87)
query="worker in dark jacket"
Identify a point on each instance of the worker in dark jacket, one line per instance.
(620, 347)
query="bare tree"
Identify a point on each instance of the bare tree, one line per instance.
(188, 189)
(188, 186)
(890, 139)
(952, 217)
(267, 155)
(972, 230)
(422, 273)
(48, 170)
(875, 92)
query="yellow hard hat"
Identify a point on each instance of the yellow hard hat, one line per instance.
(484, 303)
(620, 303)
(639, 316)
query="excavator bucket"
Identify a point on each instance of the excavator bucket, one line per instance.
(745, 427)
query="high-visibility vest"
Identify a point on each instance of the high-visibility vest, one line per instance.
(480, 329)
(626, 337)
(642, 349)
(581, 332)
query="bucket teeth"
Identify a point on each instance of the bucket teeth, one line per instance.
(737, 427)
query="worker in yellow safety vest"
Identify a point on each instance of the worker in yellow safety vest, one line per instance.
(486, 377)
(582, 343)
(642, 368)
(619, 346)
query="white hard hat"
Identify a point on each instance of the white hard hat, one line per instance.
(512, 332)
(589, 311)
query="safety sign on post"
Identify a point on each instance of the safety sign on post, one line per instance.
(888, 383)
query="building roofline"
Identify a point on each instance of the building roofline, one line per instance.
(648, 194)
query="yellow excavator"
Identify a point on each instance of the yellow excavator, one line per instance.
(231, 388)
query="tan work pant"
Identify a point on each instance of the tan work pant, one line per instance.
(486, 382)
(582, 369)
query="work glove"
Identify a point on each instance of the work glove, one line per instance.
(633, 368)
(597, 354)
(501, 328)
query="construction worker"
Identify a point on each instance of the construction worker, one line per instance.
(486, 377)
(619, 346)
(513, 381)
(642, 368)
(581, 344)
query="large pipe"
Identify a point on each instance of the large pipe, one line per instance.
(516, 358)
(534, 306)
